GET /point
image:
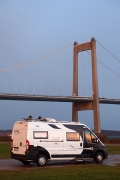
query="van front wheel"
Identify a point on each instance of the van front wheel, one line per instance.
(41, 160)
(99, 157)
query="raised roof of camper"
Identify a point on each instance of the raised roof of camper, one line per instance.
(47, 120)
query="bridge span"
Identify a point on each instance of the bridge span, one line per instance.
(29, 97)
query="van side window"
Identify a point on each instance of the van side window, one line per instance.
(40, 134)
(90, 137)
(72, 136)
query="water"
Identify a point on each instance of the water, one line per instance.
(113, 137)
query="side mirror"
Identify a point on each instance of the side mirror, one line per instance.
(94, 140)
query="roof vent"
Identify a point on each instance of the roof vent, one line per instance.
(28, 119)
(39, 117)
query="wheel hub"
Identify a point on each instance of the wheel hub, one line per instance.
(100, 158)
(42, 160)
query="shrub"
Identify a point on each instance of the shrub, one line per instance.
(107, 140)
(114, 140)
(5, 138)
(102, 137)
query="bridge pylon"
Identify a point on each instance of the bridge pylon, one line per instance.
(79, 106)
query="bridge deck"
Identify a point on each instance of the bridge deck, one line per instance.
(28, 97)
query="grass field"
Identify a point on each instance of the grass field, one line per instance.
(5, 150)
(78, 171)
(74, 172)
(113, 149)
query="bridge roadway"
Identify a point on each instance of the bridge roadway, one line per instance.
(29, 97)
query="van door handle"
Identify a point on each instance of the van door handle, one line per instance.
(55, 143)
(80, 144)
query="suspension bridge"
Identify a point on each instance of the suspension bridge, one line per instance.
(75, 73)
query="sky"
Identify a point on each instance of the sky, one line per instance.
(33, 28)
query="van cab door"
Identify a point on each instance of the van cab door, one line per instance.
(90, 143)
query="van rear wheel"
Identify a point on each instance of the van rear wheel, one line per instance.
(41, 160)
(99, 157)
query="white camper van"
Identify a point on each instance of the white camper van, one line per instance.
(40, 140)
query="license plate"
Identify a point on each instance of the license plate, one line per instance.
(15, 149)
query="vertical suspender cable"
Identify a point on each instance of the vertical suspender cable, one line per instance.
(42, 78)
(16, 81)
(33, 78)
(25, 80)
(86, 72)
(6, 81)
(50, 64)
(66, 70)
(58, 72)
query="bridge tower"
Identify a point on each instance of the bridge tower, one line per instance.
(79, 106)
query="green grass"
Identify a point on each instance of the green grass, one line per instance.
(5, 150)
(113, 149)
(73, 172)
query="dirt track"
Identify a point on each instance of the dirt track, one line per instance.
(12, 164)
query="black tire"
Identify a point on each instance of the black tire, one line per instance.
(99, 157)
(25, 162)
(41, 160)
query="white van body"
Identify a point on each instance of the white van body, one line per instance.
(39, 140)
